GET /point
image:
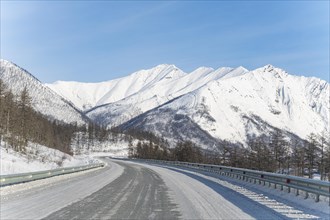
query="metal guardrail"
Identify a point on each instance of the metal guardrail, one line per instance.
(27, 177)
(316, 187)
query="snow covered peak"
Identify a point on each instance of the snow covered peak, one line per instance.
(239, 71)
(274, 71)
(161, 68)
(203, 69)
(4, 62)
(268, 67)
(242, 68)
(15, 69)
(8, 64)
(158, 71)
(279, 71)
(43, 99)
(164, 66)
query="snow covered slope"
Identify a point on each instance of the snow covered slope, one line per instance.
(236, 108)
(88, 95)
(37, 158)
(44, 100)
(157, 94)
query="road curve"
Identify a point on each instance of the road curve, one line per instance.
(139, 193)
(129, 190)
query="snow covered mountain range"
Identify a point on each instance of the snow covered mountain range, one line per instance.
(238, 108)
(205, 106)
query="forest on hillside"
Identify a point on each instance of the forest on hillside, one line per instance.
(306, 158)
(20, 124)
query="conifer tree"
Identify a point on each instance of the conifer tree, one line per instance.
(278, 147)
(311, 153)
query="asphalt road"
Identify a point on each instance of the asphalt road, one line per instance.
(139, 193)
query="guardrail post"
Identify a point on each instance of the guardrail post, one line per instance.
(306, 195)
(317, 197)
(288, 181)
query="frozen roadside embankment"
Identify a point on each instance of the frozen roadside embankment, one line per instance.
(38, 158)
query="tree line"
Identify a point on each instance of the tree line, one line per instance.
(303, 158)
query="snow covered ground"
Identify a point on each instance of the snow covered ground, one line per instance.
(38, 157)
(103, 148)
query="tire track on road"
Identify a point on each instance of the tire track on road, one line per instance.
(139, 193)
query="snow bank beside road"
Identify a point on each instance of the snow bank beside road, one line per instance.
(37, 158)
(248, 196)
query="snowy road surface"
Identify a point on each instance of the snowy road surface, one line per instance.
(127, 190)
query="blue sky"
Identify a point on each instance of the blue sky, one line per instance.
(93, 41)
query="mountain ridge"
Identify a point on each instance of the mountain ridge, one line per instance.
(112, 90)
(281, 106)
(210, 105)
